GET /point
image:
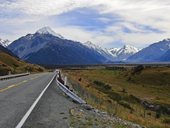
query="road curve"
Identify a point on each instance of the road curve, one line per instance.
(18, 94)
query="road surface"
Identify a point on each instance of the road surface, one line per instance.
(18, 94)
(52, 111)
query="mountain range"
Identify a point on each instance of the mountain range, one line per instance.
(45, 47)
(37, 47)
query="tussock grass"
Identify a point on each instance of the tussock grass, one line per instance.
(15, 65)
(120, 91)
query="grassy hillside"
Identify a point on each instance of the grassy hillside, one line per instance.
(9, 63)
(126, 92)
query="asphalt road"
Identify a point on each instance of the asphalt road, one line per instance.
(18, 94)
(52, 111)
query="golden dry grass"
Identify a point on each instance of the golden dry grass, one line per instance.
(15, 65)
(152, 84)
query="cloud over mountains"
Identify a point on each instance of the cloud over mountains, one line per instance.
(108, 23)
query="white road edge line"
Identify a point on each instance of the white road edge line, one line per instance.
(24, 118)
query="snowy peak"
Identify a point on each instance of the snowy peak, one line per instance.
(4, 43)
(89, 44)
(117, 54)
(48, 30)
(124, 52)
(114, 50)
(127, 49)
(101, 51)
(94, 47)
(167, 40)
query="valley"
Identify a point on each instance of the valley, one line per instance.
(138, 94)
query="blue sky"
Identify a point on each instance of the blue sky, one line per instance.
(109, 23)
(87, 18)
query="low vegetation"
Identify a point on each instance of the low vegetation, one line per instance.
(139, 94)
(11, 64)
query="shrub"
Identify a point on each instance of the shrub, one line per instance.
(158, 115)
(79, 79)
(102, 86)
(125, 104)
(124, 90)
(166, 120)
(137, 69)
(106, 88)
(134, 99)
(16, 65)
(115, 96)
(163, 109)
(98, 83)
(40, 69)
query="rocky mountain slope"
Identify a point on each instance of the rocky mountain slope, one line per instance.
(4, 43)
(165, 57)
(45, 47)
(121, 54)
(151, 53)
(100, 50)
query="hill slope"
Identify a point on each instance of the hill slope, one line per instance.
(125, 89)
(10, 63)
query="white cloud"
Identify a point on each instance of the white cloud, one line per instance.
(154, 13)
(79, 34)
(45, 7)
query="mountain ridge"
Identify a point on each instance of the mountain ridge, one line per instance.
(121, 54)
(151, 53)
(45, 39)
(4, 43)
(43, 47)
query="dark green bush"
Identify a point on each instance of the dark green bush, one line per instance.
(138, 69)
(102, 86)
(125, 104)
(166, 120)
(115, 96)
(158, 115)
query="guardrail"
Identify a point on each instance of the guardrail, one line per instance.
(70, 93)
(13, 76)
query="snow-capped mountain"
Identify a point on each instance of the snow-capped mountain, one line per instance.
(38, 42)
(100, 50)
(4, 43)
(46, 48)
(124, 52)
(151, 53)
(113, 51)
(48, 30)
